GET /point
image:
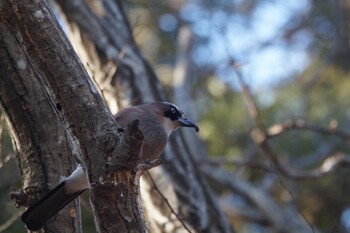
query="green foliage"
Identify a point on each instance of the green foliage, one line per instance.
(225, 121)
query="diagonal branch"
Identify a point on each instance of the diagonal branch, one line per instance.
(273, 213)
(280, 128)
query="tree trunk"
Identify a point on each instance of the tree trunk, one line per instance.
(102, 36)
(56, 117)
(43, 146)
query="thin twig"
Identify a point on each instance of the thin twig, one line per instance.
(293, 198)
(10, 221)
(97, 84)
(167, 203)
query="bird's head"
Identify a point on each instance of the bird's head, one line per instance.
(174, 118)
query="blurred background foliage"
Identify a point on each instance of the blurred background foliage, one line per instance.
(294, 56)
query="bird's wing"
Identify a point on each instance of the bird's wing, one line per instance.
(37, 215)
(154, 135)
(71, 187)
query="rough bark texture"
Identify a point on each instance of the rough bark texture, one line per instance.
(57, 116)
(44, 148)
(123, 74)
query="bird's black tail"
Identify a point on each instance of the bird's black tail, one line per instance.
(39, 213)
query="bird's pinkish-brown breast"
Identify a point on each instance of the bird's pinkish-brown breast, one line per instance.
(151, 125)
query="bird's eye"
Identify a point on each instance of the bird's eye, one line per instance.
(172, 113)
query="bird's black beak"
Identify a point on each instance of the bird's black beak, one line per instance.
(184, 122)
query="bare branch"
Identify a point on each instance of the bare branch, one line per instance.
(281, 128)
(271, 211)
(328, 166)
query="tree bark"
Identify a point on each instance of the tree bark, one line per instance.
(56, 116)
(43, 146)
(126, 78)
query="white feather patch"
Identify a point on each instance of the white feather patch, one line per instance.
(168, 125)
(77, 181)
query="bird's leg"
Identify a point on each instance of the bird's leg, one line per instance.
(144, 166)
(147, 165)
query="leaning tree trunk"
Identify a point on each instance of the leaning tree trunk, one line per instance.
(102, 36)
(56, 116)
(43, 147)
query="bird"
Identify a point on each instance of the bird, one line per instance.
(157, 120)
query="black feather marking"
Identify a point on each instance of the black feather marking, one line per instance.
(173, 112)
(38, 214)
